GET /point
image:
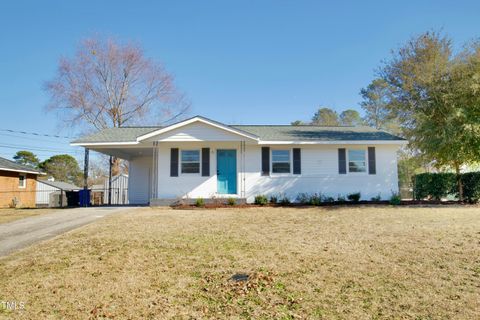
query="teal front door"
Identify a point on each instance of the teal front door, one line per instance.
(227, 171)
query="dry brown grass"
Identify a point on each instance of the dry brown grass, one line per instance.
(341, 263)
(7, 215)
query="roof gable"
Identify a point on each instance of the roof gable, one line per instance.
(197, 123)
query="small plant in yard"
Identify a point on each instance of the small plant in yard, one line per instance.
(273, 199)
(354, 197)
(303, 198)
(315, 199)
(15, 203)
(395, 199)
(378, 197)
(328, 199)
(231, 201)
(261, 200)
(200, 202)
(284, 200)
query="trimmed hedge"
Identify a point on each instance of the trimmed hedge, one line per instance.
(434, 185)
(471, 186)
(440, 185)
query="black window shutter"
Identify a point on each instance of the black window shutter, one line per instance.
(297, 161)
(174, 162)
(342, 161)
(265, 161)
(372, 164)
(205, 162)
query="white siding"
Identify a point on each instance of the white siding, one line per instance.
(197, 132)
(190, 185)
(319, 173)
(139, 180)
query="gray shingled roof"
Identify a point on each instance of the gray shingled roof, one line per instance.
(316, 133)
(60, 185)
(13, 166)
(264, 132)
(124, 134)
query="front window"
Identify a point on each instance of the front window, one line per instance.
(190, 161)
(356, 161)
(22, 180)
(281, 161)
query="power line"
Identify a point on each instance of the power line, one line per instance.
(30, 138)
(39, 149)
(37, 134)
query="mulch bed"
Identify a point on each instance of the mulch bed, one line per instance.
(419, 203)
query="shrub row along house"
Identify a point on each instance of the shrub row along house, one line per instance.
(17, 184)
(202, 158)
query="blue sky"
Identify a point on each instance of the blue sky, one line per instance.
(238, 61)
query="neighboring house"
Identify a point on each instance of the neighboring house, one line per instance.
(119, 192)
(51, 193)
(17, 184)
(200, 157)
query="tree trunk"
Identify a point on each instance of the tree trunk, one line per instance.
(459, 182)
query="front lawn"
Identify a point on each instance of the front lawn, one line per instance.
(8, 215)
(339, 262)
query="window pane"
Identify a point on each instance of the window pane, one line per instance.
(356, 166)
(280, 155)
(190, 156)
(21, 181)
(356, 155)
(191, 167)
(281, 167)
(356, 161)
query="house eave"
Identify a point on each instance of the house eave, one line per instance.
(102, 144)
(336, 142)
(23, 171)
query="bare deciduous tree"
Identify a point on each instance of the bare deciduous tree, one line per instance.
(108, 84)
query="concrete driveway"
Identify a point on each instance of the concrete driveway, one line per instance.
(21, 233)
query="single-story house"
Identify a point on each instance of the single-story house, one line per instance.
(199, 157)
(51, 193)
(17, 184)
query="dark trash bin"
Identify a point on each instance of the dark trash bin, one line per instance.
(72, 198)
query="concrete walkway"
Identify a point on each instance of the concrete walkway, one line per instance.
(21, 233)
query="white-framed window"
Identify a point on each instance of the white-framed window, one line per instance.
(190, 161)
(281, 161)
(22, 180)
(357, 160)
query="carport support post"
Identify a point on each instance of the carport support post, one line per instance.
(110, 182)
(85, 173)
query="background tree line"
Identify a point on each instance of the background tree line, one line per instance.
(64, 167)
(328, 117)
